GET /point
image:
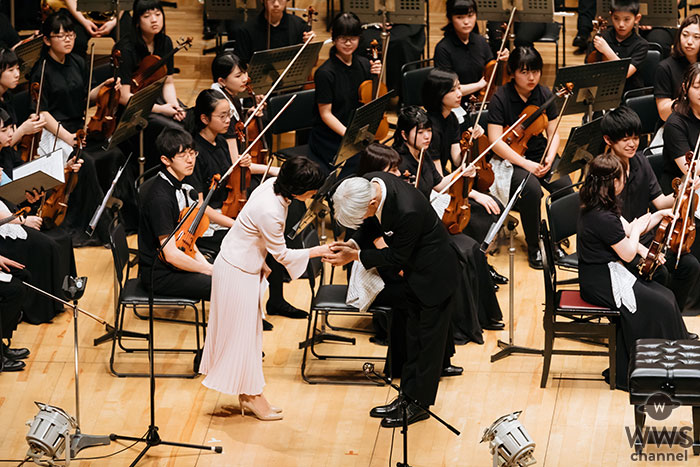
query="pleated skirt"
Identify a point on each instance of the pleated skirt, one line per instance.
(232, 358)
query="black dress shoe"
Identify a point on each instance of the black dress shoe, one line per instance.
(496, 287)
(535, 261)
(452, 370)
(14, 354)
(413, 414)
(559, 253)
(285, 309)
(267, 326)
(581, 44)
(389, 410)
(494, 326)
(12, 365)
(379, 340)
(496, 277)
(692, 336)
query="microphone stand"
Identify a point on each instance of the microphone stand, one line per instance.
(152, 438)
(100, 209)
(405, 400)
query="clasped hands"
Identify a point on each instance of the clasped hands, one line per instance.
(342, 253)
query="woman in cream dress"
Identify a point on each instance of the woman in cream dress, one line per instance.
(232, 359)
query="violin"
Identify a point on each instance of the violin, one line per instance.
(374, 87)
(676, 232)
(152, 67)
(29, 144)
(458, 212)
(55, 203)
(497, 68)
(534, 123)
(310, 15)
(600, 24)
(104, 122)
(259, 151)
(195, 224)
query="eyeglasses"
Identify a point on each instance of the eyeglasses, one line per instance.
(224, 115)
(63, 36)
(189, 154)
(348, 39)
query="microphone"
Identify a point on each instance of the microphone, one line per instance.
(368, 368)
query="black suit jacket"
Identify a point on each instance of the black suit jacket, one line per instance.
(418, 242)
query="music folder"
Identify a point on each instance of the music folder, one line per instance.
(46, 172)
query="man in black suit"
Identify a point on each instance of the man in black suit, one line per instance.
(383, 205)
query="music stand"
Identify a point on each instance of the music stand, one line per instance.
(267, 65)
(656, 13)
(584, 144)
(237, 11)
(133, 119)
(508, 348)
(597, 86)
(533, 11)
(27, 55)
(107, 5)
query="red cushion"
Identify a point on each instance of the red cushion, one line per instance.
(571, 299)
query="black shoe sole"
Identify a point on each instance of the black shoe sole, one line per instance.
(398, 422)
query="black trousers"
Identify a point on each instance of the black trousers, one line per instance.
(586, 14)
(171, 282)
(12, 296)
(530, 202)
(681, 280)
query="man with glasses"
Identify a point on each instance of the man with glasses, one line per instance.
(160, 201)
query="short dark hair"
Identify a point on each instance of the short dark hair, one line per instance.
(224, 64)
(459, 7)
(56, 21)
(206, 102)
(346, 24)
(524, 58)
(5, 118)
(677, 49)
(410, 117)
(8, 59)
(378, 158)
(621, 123)
(682, 105)
(625, 6)
(297, 176)
(172, 141)
(598, 190)
(436, 85)
(141, 7)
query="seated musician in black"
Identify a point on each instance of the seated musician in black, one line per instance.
(272, 28)
(160, 201)
(8, 34)
(148, 38)
(525, 65)
(337, 96)
(621, 129)
(12, 297)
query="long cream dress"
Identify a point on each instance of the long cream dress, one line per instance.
(232, 359)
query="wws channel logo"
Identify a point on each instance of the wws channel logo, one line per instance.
(659, 407)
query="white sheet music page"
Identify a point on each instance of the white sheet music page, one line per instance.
(51, 165)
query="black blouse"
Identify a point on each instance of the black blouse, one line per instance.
(680, 135)
(429, 176)
(641, 188)
(134, 49)
(467, 60)
(213, 159)
(445, 134)
(598, 230)
(669, 76)
(253, 36)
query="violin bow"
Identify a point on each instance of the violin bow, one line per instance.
(386, 36)
(694, 163)
(260, 135)
(38, 103)
(556, 127)
(267, 169)
(420, 164)
(89, 84)
(275, 84)
(458, 173)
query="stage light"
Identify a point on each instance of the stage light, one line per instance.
(509, 442)
(49, 434)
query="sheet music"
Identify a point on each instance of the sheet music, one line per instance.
(51, 165)
(47, 143)
(439, 204)
(363, 287)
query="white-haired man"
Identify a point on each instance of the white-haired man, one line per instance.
(382, 205)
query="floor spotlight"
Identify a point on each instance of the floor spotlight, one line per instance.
(49, 434)
(509, 442)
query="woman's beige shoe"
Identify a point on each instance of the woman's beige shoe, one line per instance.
(250, 407)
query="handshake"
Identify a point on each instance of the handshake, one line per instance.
(340, 253)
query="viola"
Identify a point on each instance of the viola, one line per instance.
(152, 67)
(373, 88)
(534, 123)
(458, 212)
(498, 68)
(55, 203)
(195, 224)
(104, 122)
(600, 24)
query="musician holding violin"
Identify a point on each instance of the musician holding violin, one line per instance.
(161, 199)
(465, 51)
(605, 240)
(337, 84)
(508, 104)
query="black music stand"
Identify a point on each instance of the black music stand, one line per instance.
(229, 10)
(656, 13)
(584, 144)
(133, 119)
(533, 11)
(28, 54)
(107, 5)
(509, 348)
(597, 86)
(267, 65)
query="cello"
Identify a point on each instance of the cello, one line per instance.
(152, 67)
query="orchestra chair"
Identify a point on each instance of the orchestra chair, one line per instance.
(567, 315)
(413, 75)
(298, 116)
(648, 67)
(643, 102)
(655, 156)
(130, 293)
(329, 300)
(551, 36)
(562, 217)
